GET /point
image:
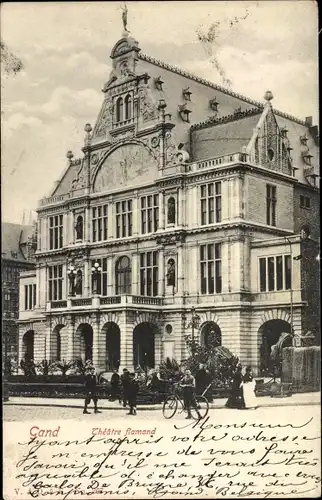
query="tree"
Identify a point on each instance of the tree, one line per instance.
(10, 63)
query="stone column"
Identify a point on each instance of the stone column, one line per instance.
(71, 230)
(86, 278)
(96, 338)
(161, 210)
(180, 278)
(225, 266)
(87, 228)
(126, 325)
(110, 276)
(194, 208)
(161, 272)
(135, 274)
(180, 207)
(224, 200)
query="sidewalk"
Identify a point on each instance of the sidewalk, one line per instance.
(304, 399)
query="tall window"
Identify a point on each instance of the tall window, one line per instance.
(119, 109)
(149, 273)
(124, 219)
(123, 276)
(149, 213)
(30, 297)
(270, 205)
(102, 277)
(210, 203)
(210, 268)
(275, 273)
(99, 223)
(55, 232)
(55, 282)
(128, 107)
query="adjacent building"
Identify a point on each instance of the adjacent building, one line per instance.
(18, 254)
(189, 199)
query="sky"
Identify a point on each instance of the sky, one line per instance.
(65, 49)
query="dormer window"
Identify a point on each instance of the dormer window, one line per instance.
(158, 82)
(119, 109)
(187, 94)
(214, 104)
(184, 112)
(284, 132)
(303, 139)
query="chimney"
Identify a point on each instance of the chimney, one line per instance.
(308, 121)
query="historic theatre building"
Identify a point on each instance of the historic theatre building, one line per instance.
(190, 204)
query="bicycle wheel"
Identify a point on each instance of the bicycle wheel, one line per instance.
(201, 409)
(170, 406)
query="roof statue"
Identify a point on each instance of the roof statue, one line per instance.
(124, 17)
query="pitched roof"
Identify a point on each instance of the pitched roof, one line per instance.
(14, 236)
(182, 72)
(226, 136)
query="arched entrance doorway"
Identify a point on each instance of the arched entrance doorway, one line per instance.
(144, 345)
(28, 342)
(57, 341)
(210, 335)
(85, 333)
(270, 332)
(112, 345)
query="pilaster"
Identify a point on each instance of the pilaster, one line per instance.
(161, 272)
(135, 273)
(86, 278)
(180, 251)
(110, 220)
(161, 210)
(96, 337)
(136, 215)
(110, 275)
(126, 329)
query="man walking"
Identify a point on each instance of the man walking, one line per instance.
(133, 389)
(125, 381)
(90, 389)
(115, 386)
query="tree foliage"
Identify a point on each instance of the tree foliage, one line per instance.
(218, 360)
(10, 63)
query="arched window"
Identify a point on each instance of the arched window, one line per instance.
(58, 347)
(119, 109)
(128, 107)
(79, 228)
(171, 210)
(123, 276)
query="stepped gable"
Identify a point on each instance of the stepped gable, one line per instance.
(223, 136)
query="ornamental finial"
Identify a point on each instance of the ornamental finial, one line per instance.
(268, 96)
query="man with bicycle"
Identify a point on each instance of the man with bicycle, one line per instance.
(188, 385)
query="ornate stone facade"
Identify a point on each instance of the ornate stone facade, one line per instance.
(172, 219)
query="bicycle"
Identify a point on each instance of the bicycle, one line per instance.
(199, 410)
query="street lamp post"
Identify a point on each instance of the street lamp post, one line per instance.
(193, 324)
(96, 270)
(71, 277)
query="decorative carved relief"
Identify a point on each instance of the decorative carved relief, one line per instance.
(170, 149)
(105, 119)
(125, 165)
(79, 181)
(148, 109)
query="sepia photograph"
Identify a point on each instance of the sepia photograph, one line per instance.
(160, 250)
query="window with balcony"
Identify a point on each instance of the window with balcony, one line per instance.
(55, 232)
(271, 205)
(149, 213)
(30, 296)
(123, 276)
(275, 273)
(124, 219)
(99, 223)
(55, 282)
(210, 198)
(149, 273)
(210, 268)
(101, 288)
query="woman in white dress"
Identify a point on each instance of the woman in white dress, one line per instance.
(249, 389)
